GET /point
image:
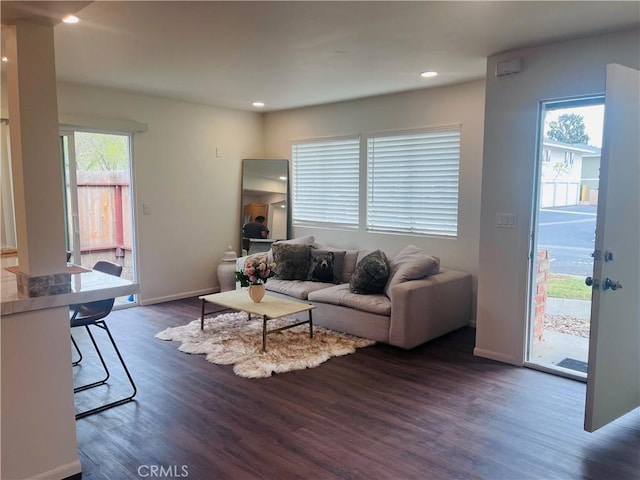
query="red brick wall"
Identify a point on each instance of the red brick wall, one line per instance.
(542, 276)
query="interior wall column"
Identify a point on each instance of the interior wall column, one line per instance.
(35, 151)
(37, 418)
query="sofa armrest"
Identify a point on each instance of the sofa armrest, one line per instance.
(424, 309)
(239, 266)
(240, 263)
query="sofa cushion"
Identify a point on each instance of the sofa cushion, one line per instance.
(295, 288)
(411, 263)
(371, 274)
(326, 265)
(341, 295)
(350, 261)
(292, 261)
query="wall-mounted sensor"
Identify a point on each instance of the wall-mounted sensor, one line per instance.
(509, 67)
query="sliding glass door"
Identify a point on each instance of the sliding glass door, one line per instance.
(98, 200)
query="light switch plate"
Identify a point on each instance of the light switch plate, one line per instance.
(506, 220)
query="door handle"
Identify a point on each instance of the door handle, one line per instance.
(611, 284)
(592, 282)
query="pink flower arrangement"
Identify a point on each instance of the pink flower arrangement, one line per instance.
(256, 271)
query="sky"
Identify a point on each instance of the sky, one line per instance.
(593, 120)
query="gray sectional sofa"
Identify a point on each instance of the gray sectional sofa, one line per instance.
(415, 306)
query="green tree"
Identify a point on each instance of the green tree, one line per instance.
(569, 128)
(99, 151)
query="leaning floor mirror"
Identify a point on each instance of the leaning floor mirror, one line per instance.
(265, 193)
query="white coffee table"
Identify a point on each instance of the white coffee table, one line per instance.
(269, 308)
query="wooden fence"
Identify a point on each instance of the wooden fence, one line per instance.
(104, 211)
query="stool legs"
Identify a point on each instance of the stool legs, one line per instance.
(121, 401)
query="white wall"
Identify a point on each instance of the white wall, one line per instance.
(553, 71)
(38, 422)
(194, 195)
(460, 104)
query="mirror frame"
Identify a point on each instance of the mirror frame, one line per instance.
(270, 168)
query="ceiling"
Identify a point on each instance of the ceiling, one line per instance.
(301, 53)
(46, 13)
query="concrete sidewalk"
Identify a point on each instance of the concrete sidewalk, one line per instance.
(556, 346)
(569, 307)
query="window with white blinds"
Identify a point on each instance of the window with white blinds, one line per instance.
(412, 182)
(325, 182)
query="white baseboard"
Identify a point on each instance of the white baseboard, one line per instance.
(178, 296)
(497, 356)
(63, 471)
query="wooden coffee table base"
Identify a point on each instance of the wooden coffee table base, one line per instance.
(265, 332)
(269, 309)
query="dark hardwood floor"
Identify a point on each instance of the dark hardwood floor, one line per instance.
(435, 412)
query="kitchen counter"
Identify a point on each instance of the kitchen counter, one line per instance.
(85, 287)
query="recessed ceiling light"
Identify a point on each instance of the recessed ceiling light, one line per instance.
(70, 19)
(258, 104)
(283, 178)
(428, 74)
(5, 59)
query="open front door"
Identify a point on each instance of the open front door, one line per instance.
(613, 379)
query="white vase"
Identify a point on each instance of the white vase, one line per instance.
(227, 271)
(256, 292)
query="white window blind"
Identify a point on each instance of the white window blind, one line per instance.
(326, 182)
(412, 182)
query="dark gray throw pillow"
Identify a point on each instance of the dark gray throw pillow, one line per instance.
(371, 274)
(292, 261)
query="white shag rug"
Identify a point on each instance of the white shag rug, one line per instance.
(231, 338)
